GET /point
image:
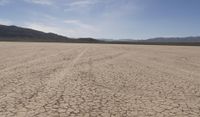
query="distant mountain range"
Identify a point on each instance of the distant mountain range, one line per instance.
(14, 33)
(174, 39)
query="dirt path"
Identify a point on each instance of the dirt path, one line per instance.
(96, 80)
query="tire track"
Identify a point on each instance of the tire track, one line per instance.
(50, 89)
(26, 63)
(104, 58)
(11, 78)
(64, 72)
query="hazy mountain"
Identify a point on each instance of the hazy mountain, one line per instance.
(165, 40)
(174, 39)
(185, 41)
(14, 33)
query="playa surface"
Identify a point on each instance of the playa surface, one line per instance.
(98, 80)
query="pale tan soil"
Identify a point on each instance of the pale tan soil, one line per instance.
(91, 80)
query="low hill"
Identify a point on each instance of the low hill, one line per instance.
(14, 33)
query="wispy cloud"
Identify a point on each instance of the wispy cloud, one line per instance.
(79, 5)
(80, 29)
(41, 2)
(42, 27)
(79, 24)
(4, 2)
(50, 28)
(71, 28)
(82, 3)
(104, 8)
(5, 22)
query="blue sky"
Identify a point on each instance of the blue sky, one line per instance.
(116, 19)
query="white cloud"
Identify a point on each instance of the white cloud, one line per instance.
(41, 2)
(79, 24)
(82, 3)
(80, 29)
(3, 2)
(79, 5)
(5, 22)
(41, 27)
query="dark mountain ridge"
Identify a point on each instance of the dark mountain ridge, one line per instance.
(14, 33)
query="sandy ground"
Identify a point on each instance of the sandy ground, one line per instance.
(91, 80)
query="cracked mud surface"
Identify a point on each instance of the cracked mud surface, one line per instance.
(91, 80)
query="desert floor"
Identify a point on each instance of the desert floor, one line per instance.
(98, 80)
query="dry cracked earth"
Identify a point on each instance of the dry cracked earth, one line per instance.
(98, 80)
